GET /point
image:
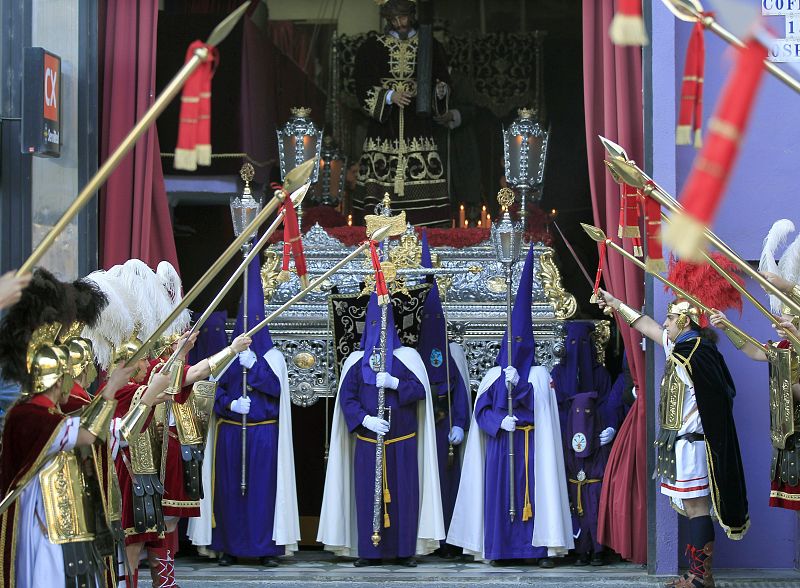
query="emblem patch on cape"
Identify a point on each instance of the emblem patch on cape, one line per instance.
(436, 357)
(375, 360)
(578, 442)
(581, 476)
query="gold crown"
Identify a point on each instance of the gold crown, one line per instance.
(525, 113)
(300, 111)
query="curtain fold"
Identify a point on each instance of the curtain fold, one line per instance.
(613, 104)
(134, 213)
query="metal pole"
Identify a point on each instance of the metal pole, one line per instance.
(378, 490)
(511, 507)
(243, 483)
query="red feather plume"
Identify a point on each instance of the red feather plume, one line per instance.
(703, 281)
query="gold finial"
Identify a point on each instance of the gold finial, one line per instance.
(387, 201)
(300, 111)
(505, 197)
(247, 174)
(525, 113)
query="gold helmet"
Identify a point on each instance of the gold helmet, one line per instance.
(163, 344)
(686, 312)
(47, 362)
(80, 352)
(126, 350)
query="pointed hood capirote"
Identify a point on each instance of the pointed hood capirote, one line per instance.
(371, 339)
(523, 345)
(433, 330)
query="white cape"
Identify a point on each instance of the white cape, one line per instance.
(286, 527)
(338, 530)
(552, 523)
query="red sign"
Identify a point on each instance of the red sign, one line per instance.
(51, 86)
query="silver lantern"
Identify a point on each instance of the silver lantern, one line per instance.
(524, 155)
(329, 190)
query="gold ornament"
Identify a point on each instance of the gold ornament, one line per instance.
(505, 197)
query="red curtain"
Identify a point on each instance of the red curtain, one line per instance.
(135, 217)
(612, 78)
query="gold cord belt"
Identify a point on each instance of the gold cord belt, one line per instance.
(580, 484)
(527, 508)
(249, 424)
(387, 497)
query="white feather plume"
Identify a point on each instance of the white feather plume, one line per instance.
(116, 322)
(789, 264)
(147, 297)
(776, 237)
(172, 284)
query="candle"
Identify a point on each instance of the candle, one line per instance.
(480, 224)
(349, 220)
(483, 215)
(453, 223)
(488, 219)
(466, 224)
(461, 218)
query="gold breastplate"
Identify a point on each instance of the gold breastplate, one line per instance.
(673, 389)
(142, 445)
(68, 515)
(783, 371)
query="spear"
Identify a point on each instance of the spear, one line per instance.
(162, 101)
(693, 11)
(295, 178)
(599, 236)
(739, 288)
(624, 170)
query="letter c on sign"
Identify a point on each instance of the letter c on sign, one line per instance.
(50, 87)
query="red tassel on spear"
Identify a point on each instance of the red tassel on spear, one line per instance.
(690, 116)
(712, 167)
(627, 26)
(380, 281)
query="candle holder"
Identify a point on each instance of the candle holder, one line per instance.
(299, 140)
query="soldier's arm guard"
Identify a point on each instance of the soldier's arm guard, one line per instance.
(219, 360)
(176, 383)
(133, 422)
(628, 314)
(737, 340)
(97, 415)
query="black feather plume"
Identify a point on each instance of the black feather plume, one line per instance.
(90, 301)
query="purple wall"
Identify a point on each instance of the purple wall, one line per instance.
(762, 189)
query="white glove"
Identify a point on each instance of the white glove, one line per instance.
(386, 380)
(607, 435)
(509, 423)
(376, 425)
(241, 405)
(512, 376)
(247, 358)
(456, 435)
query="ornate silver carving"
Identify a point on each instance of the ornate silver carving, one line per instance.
(476, 314)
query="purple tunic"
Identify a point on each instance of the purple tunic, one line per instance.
(449, 475)
(502, 538)
(357, 400)
(243, 524)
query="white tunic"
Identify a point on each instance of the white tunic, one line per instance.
(690, 457)
(39, 562)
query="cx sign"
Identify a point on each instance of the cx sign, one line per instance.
(52, 84)
(41, 103)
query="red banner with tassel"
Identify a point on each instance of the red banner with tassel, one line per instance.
(655, 252)
(380, 282)
(193, 146)
(704, 188)
(690, 115)
(292, 241)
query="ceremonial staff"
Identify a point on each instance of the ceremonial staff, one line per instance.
(242, 212)
(162, 101)
(624, 170)
(507, 240)
(599, 236)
